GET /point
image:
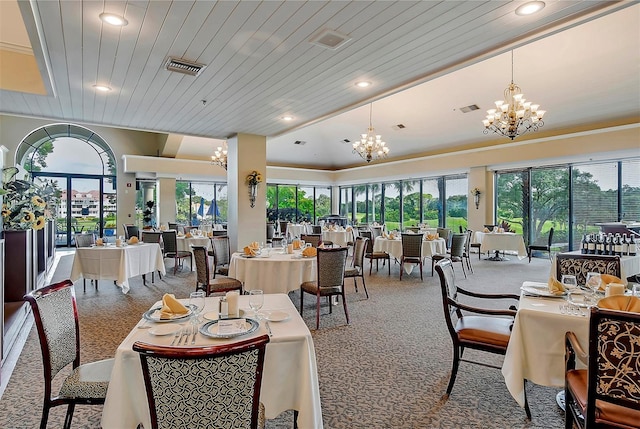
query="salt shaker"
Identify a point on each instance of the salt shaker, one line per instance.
(223, 308)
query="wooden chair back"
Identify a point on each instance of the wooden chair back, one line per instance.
(580, 265)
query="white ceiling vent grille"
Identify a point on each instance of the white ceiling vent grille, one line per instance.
(399, 127)
(329, 39)
(184, 66)
(470, 108)
(300, 142)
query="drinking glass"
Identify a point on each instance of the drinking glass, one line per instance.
(635, 290)
(196, 302)
(570, 282)
(593, 282)
(256, 300)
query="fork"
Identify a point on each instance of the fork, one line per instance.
(195, 332)
(176, 336)
(185, 334)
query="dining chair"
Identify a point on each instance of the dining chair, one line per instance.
(329, 281)
(374, 256)
(271, 231)
(153, 237)
(221, 253)
(314, 239)
(173, 226)
(283, 227)
(56, 316)
(482, 329)
(474, 245)
(542, 247)
(203, 275)
(214, 386)
(86, 239)
(466, 255)
(580, 265)
(456, 252)
(188, 229)
(357, 268)
(130, 231)
(170, 240)
(316, 229)
(376, 231)
(220, 233)
(447, 235)
(607, 393)
(411, 251)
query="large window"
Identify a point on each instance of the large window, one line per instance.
(374, 203)
(392, 215)
(346, 203)
(431, 203)
(456, 202)
(410, 203)
(297, 203)
(201, 202)
(360, 194)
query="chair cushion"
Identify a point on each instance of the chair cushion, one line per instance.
(489, 330)
(351, 272)
(220, 283)
(377, 255)
(178, 254)
(90, 380)
(538, 247)
(222, 270)
(439, 257)
(606, 413)
(312, 287)
(411, 260)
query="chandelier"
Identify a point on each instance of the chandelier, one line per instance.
(370, 145)
(514, 115)
(219, 156)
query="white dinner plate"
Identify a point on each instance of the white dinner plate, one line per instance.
(210, 329)
(541, 290)
(213, 315)
(152, 316)
(164, 329)
(276, 316)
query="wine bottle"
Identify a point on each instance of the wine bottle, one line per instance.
(607, 245)
(617, 245)
(632, 247)
(600, 245)
(625, 245)
(584, 245)
(591, 244)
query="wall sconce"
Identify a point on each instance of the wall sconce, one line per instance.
(253, 180)
(476, 197)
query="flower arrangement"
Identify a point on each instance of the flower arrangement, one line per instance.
(26, 204)
(475, 192)
(147, 214)
(254, 178)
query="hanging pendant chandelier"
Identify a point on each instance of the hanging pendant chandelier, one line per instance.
(219, 156)
(370, 145)
(514, 115)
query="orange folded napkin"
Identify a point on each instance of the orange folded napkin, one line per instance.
(249, 251)
(99, 242)
(431, 237)
(555, 287)
(348, 229)
(485, 230)
(210, 234)
(309, 252)
(171, 307)
(608, 278)
(296, 244)
(629, 304)
(254, 245)
(163, 227)
(133, 240)
(188, 235)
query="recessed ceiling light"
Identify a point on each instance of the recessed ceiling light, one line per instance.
(113, 19)
(102, 88)
(363, 84)
(287, 118)
(530, 8)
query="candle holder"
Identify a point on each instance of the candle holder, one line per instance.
(253, 180)
(476, 197)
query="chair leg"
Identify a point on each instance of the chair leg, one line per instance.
(364, 285)
(463, 270)
(355, 284)
(84, 285)
(45, 416)
(370, 265)
(344, 304)
(454, 370)
(301, 302)
(421, 279)
(318, 311)
(69, 416)
(389, 266)
(433, 266)
(401, 269)
(527, 410)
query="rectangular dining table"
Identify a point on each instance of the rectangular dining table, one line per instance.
(536, 348)
(289, 379)
(272, 271)
(118, 263)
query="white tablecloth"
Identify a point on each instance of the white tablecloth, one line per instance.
(339, 238)
(184, 244)
(276, 273)
(536, 347)
(500, 241)
(117, 263)
(296, 230)
(629, 265)
(289, 380)
(394, 247)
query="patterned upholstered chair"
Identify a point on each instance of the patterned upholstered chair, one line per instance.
(189, 387)
(221, 253)
(314, 239)
(580, 265)
(329, 280)
(374, 256)
(170, 240)
(357, 269)
(56, 316)
(86, 239)
(607, 393)
(483, 329)
(203, 277)
(411, 251)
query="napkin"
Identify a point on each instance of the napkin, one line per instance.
(210, 234)
(249, 251)
(163, 227)
(431, 237)
(171, 306)
(309, 252)
(348, 229)
(608, 278)
(188, 235)
(630, 304)
(392, 236)
(296, 244)
(254, 245)
(485, 230)
(133, 240)
(555, 287)
(99, 242)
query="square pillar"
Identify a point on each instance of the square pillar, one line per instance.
(247, 153)
(166, 204)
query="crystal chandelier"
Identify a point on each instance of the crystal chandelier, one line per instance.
(370, 145)
(514, 115)
(219, 156)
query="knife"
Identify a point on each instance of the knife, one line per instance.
(266, 324)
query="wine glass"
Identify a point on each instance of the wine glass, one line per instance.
(593, 282)
(196, 302)
(256, 300)
(570, 282)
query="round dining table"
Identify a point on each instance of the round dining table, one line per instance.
(338, 238)
(272, 271)
(394, 247)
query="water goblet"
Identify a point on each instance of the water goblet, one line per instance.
(593, 282)
(196, 302)
(256, 300)
(635, 290)
(570, 282)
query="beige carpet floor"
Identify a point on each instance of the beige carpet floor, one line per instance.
(387, 369)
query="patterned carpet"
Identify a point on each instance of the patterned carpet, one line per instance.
(387, 369)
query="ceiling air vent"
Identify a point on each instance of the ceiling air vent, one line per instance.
(470, 108)
(184, 66)
(399, 127)
(345, 141)
(300, 142)
(329, 39)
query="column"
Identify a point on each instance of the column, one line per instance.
(477, 217)
(166, 204)
(247, 153)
